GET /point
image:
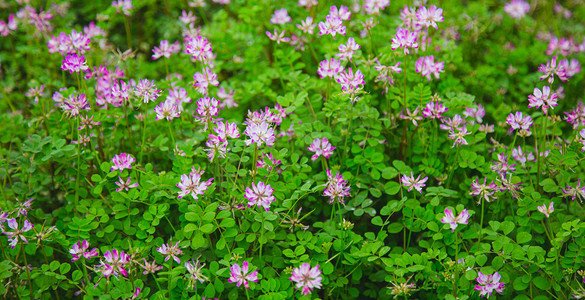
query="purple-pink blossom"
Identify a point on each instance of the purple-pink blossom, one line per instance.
(321, 147)
(410, 182)
(543, 99)
(306, 278)
(122, 161)
(453, 221)
(170, 251)
(404, 39)
(242, 275)
(191, 184)
(260, 194)
(79, 249)
(488, 283)
(426, 66)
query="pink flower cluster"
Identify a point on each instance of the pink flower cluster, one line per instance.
(79, 250)
(321, 147)
(191, 184)
(487, 284)
(260, 194)
(336, 188)
(242, 275)
(307, 278)
(426, 66)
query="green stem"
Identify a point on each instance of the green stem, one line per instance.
(27, 270)
(128, 33)
(172, 135)
(481, 222)
(170, 278)
(261, 233)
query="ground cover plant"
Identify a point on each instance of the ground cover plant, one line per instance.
(359, 149)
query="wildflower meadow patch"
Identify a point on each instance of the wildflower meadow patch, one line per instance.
(310, 149)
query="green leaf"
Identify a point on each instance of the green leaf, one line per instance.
(481, 260)
(541, 283)
(507, 227)
(523, 237)
(497, 263)
(377, 220)
(207, 228)
(64, 268)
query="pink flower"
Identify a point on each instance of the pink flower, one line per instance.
(573, 192)
(427, 67)
(546, 210)
(404, 39)
(307, 25)
(332, 25)
(122, 161)
(227, 97)
(123, 5)
(458, 136)
(150, 267)
(179, 96)
(581, 138)
(74, 63)
(260, 195)
(80, 249)
(544, 99)
(206, 108)
(413, 116)
(147, 91)
(501, 166)
(187, 17)
(336, 188)
(216, 146)
(165, 50)
(280, 16)
(453, 221)
(78, 42)
(199, 47)
(227, 129)
(321, 147)
(125, 185)
(115, 263)
(517, 9)
(308, 3)
(551, 69)
(278, 37)
(429, 17)
(329, 68)
(476, 113)
(203, 80)
(519, 122)
(351, 81)
(484, 191)
(375, 6)
(191, 184)
(343, 12)
(17, 233)
(259, 134)
(411, 183)
(195, 273)
(488, 283)
(434, 110)
(348, 49)
(8, 28)
(166, 110)
(74, 104)
(306, 278)
(240, 275)
(170, 251)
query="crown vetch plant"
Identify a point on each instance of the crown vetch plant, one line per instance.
(293, 149)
